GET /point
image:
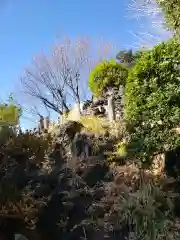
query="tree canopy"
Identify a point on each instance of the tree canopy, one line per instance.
(128, 58)
(107, 74)
(9, 114)
(153, 99)
(57, 81)
(171, 10)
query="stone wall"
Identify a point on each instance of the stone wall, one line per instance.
(99, 107)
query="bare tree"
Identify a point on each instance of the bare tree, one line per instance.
(60, 79)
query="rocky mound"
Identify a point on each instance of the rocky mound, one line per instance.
(77, 197)
(99, 107)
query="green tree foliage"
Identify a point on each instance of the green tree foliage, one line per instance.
(18, 154)
(9, 118)
(171, 10)
(125, 56)
(6, 133)
(153, 100)
(9, 114)
(105, 75)
(128, 58)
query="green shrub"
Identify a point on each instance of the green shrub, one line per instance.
(9, 118)
(106, 74)
(140, 203)
(17, 155)
(152, 101)
(5, 133)
(9, 114)
(171, 10)
(149, 210)
(128, 58)
(121, 149)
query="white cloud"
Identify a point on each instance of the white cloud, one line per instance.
(152, 29)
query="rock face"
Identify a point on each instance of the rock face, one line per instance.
(71, 202)
(68, 212)
(111, 109)
(81, 145)
(172, 164)
(20, 237)
(69, 128)
(118, 95)
(99, 107)
(65, 135)
(72, 190)
(96, 108)
(71, 143)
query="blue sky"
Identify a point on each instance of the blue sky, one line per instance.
(28, 26)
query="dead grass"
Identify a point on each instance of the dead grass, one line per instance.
(95, 125)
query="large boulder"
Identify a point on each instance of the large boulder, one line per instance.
(69, 129)
(65, 134)
(85, 145)
(81, 145)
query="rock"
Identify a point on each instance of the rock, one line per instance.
(87, 104)
(42, 191)
(64, 205)
(15, 226)
(172, 163)
(69, 128)
(64, 136)
(57, 154)
(20, 237)
(158, 164)
(81, 146)
(111, 109)
(95, 111)
(99, 106)
(95, 174)
(98, 102)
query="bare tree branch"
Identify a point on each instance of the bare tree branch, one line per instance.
(57, 80)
